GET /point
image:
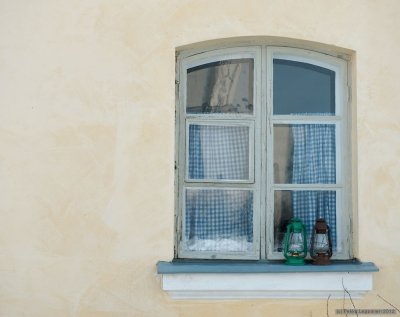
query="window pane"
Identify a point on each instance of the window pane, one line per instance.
(305, 205)
(304, 154)
(218, 220)
(221, 87)
(302, 88)
(218, 152)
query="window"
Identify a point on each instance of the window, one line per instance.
(263, 135)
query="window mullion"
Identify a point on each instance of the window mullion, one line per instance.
(268, 170)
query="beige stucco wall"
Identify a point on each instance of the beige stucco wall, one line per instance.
(87, 146)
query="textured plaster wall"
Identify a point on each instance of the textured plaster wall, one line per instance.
(87, 146)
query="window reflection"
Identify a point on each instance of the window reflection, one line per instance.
(221, 87)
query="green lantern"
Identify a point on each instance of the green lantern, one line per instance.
(295, 243)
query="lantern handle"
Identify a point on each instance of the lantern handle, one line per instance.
(288, 229)
(330, 241)
(305, 239)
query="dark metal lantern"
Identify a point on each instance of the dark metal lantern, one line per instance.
(321, 243)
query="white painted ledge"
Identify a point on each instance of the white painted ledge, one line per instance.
(266, 285)
(260, 279)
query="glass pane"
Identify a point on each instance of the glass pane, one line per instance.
(218, 152)
(302, 88)
(304, 154)
(219, 220)
(221, 87)
(307, 205)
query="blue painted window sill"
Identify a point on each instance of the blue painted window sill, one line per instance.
(198, 266)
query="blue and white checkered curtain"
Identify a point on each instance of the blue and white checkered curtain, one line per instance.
(314, 162)
(196, 169)
(219, 214)
(218, 152)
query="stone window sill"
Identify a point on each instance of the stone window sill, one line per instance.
(183, 279)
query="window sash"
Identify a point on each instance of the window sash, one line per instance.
(227, 119)
(340, 119)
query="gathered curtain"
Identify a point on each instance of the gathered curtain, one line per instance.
(314, 162)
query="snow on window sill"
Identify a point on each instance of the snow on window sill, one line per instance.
(219, 244)
(260, 279)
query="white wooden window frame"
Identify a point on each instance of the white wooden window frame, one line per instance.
(261, 123)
